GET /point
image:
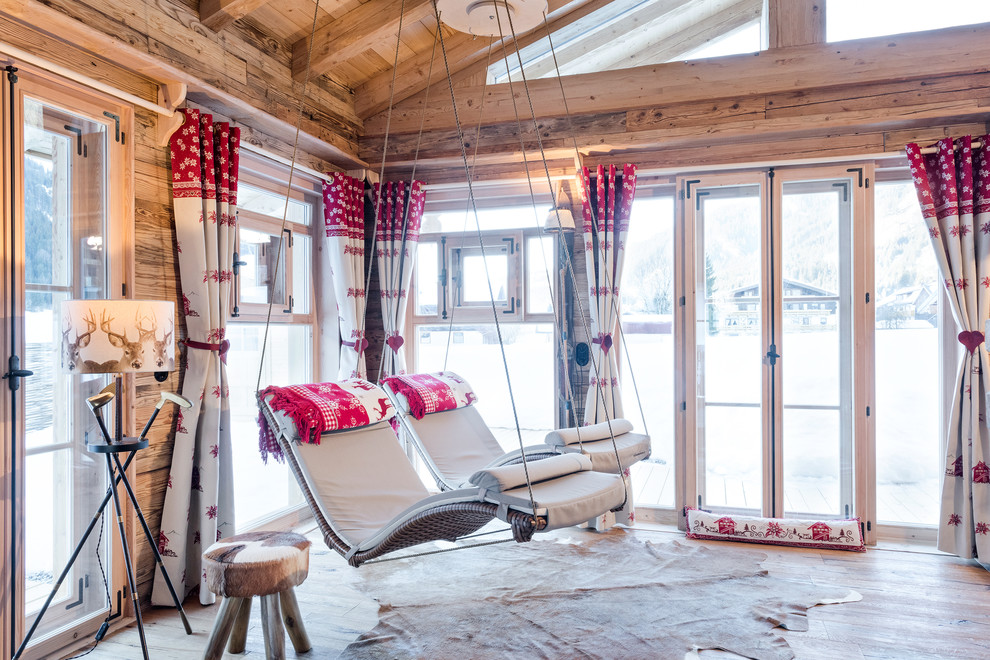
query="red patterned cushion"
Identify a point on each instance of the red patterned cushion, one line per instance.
(321, 407)
(430, 393)
(827, 534)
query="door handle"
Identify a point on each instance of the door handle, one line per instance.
(15, 373)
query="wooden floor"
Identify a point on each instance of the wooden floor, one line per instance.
(917, 606)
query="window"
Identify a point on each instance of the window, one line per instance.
(854, 19)
(276, 265)
(647, 346)
(456, 277)
(908, 391)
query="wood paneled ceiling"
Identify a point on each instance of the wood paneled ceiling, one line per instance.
(356, 40)
(629, 92)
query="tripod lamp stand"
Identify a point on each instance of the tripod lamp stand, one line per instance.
(117, 337)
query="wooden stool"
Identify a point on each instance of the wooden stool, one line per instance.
(266, 564)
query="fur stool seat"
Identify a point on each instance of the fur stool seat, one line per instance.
(264, 564)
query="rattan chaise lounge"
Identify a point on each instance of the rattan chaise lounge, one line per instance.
(455, 443)
(368, 500)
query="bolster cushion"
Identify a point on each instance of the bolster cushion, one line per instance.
(600, 431)
(507, 477)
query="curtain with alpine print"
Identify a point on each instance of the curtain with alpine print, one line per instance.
(399, 207)
(953, 186)
(606, 202)
(343, 214)
(199, 501)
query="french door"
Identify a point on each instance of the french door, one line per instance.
(62, 155)
(776, 387)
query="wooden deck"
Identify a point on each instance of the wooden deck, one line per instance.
(915, 605)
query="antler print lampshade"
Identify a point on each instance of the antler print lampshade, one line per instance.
(117, 336)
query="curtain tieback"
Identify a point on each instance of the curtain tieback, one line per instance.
(220, 348)
(971, 339)
(605, 339)
(359, 345)
(395, 341)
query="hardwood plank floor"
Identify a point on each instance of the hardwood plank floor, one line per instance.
(915, 606)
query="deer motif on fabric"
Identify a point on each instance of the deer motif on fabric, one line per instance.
(72, 348)
(133, 351)
(159, 348)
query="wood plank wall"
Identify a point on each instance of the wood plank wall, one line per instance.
(156, 269)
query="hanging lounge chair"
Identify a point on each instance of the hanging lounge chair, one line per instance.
(368, 500)
(454, 441)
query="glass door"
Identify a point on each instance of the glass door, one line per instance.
(728, 330)
(773, 369)
(60, 160)
(816, 343)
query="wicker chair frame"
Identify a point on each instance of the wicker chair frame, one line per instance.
(444, 522)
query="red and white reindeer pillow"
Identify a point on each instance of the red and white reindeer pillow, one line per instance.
(430, 393)
(317, 408)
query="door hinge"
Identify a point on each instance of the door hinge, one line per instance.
(869, 525)
(682, 301)
(683, 405)
(118, 136)
(867, 296)
(867, 411)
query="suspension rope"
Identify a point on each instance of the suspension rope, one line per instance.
(601, 394)
(558, 322)
(393, 275)
(484, 258)
(288, 191)
(577, 152)
(467, 210)
(381, 180)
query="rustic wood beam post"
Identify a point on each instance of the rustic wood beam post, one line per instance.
(795, 22)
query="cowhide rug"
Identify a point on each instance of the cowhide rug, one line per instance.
(603, 596)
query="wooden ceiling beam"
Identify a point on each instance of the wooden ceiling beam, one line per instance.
(466, 54)
(952, 51)
(219, 14)
(358, 30)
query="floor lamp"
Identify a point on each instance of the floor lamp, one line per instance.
(117, 337)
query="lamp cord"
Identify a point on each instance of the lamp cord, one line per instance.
(106, 587)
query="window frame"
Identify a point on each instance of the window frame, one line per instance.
(259, 172)
(77, 99)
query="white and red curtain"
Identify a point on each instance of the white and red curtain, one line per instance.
(343, 214)
(953, 187)
(199, 500)
(399, 210)
(606, 200)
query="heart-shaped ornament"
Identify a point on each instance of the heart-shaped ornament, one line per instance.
(971, 339)
(395, 342)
